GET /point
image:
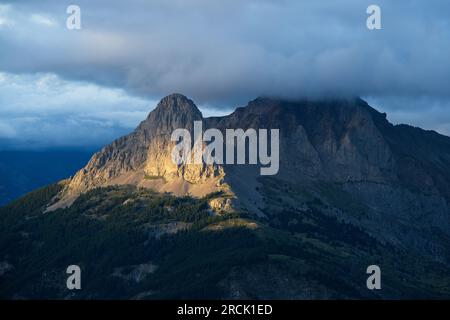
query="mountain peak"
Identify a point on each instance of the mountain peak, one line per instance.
(172, 112)
(177, 102)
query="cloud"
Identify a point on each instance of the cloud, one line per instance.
(4, 20)
(224, 53)
(227, 50)
(43, 20)
(43, 110)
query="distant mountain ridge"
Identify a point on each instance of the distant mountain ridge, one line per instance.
(397, 173)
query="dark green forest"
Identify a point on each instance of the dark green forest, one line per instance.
(112, 232)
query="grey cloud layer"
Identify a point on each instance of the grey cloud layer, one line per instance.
(222, 51)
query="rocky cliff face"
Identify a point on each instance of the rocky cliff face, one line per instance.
(143, 158)
(392, 181)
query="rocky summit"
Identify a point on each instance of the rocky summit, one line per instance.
(352, 190)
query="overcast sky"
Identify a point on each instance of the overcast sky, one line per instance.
(61, 87)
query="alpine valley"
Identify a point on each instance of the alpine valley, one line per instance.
(352, 190)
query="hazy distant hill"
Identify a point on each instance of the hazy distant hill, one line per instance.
(24, 171)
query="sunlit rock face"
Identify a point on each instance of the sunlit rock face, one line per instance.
(144, 157)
